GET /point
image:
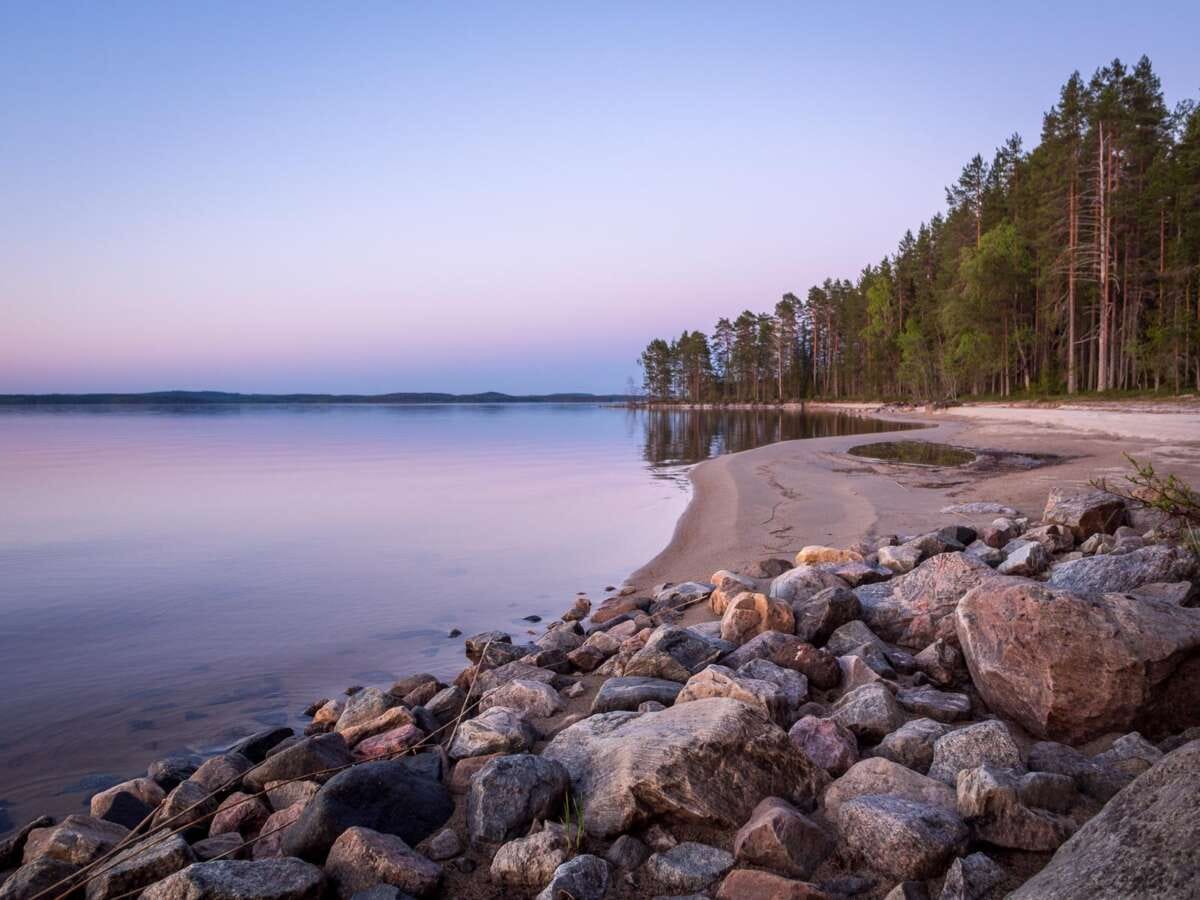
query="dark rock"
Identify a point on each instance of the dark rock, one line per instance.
(228, 879)
(12, 847)
(629, 692)
(225, 846)
(37, 878)
(829, 745)
(974, 877)
(933, 704)
(819, 616)
(912, 744)
(768, 568)
(989, 799)
(583, 878)
(870, 712)
(255, 746)
(475, 643)
(627, 852)
(221, 772)
(168, 772)
(1097, 781)
(510, 792)
(672, 653)
(498, 730)
(820, 667)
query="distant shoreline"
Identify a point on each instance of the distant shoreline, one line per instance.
(193, 398)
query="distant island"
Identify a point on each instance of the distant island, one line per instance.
(214, 397)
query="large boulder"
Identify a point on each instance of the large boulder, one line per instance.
(387, 796)
(235, 879)
(829, 745)
(1071, 668)
(678, 764)
(367, 704)
(912, 744)
(43, 876)
(1123, 572)
(918, 608)
(774, 646)
(531, 861)
(585, 877)
(1084, 512)
(129, 802)
(750, 614)
(728, 585)
(510, 792)
(803, 582)
(901, 838)
(533, 698)
(1142, 844)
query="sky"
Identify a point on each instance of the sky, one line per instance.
(368, 197)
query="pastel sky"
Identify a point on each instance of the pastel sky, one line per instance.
(278, 196)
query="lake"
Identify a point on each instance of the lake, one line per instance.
(172, 578)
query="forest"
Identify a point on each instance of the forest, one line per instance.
(1073, 267)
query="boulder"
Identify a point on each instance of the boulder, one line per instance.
(498, 730)
(256, 746)
(1124, 572)
(583, 878)
(973, 877)
(912, 744)
(793, 685)
(1028, 558)
(396, 717)
(1130, 753)
(688, 866)
(934, 704)
(282, 794)
(818, 617)
(139, 867)
(820, 667)
(361, 858)
(856, 672)
(531, 698)
(919, 607)
(934, 543)
(781, 838)
(277, 829)
(884, 777)
(43, 876)
(802, 582)
(774, 646)
(989, 800)
(312, 757)
(1055, 538)
(901, 838)
(816, 554)
(221, 772)
(672, 653)
(755, 884)
(1084, 512)
(1117, 662)
(940, 662)
(631, 691)
(385, 796)
(234, 879)
(531, 861)
(627, 852)
(475, 644)
(188, 805)
(901, 560)
(76, 839)
(510, 792)
(367, 704)
(1142, 844)
(717, 681)
(870, 712)
(390, 743)
(852, 635)
(827, 744)
(171, 770)
(129, 802)
(749, 614)
(220, 846)
(12, 846)
(240, 813)
(990, 556)
(976, 745)
(446, 703)
(493, 678)
(856, 574)
(628, 768)
(1089, 776)
(728, 585)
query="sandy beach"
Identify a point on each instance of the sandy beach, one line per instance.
(773, 500)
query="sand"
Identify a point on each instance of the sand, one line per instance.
(773, 500)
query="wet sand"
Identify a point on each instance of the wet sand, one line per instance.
(773, 500)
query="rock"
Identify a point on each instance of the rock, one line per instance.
(444, 845)
(76, 839)
(774, 646)
(13, 846)
(767, 568)
(531, 861)
(989, 801)
(688, 866)
(779, 837)
(232, 879)
(919, 607)
(256, 746)
(750, 614)
(677, 596)
(884, 777)
(1047, 790)
(793, 685)
(129, 802)
(390, 743)
(802, 582)
(241, 813)
(627, 768)
(42, 876)
(1054, 538)
(856, 673)
(909, 890)
(613, 607)
(816, 554)
(382, 892)
(563, 639)
(326, 717)
(629, 692)
(754, 884)
(1029, 558)
(498, 730)
(418, 682)
(277, 829)
(583, 878)
(282, 794)
(870, 712)
(1131, 754)
(531, 698)
(367, 704)
(475, 644)
(1121, 573)
(168, 772)
(139, 867)
(940, 661)
(396, 717)
(672, 653)
(313, 757)
(974, 877)
(224, 846)
(188, 805)
(826, 743)
(901, 838)
(579, 610)
(1085, 513)
(979, 508)
(856, 574)
(596, 649)
(718, 681)
(1117, 663)
(912, 744)
(901, 560)
(728, 585)
(820, 667)
(852, 635)
(384, 796)
(990, 556)
(222, 772)
(627, 852)
(361, 858)
(818, 617)
(976, 745)
(1098, 544)
(1097, 781)
(493, 678)
(1142, 844)
(1180, 593)
(510, 792)
(934, 704)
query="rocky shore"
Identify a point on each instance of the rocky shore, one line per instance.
(1004, 704)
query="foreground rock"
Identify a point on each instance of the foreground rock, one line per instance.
(1118, 662)
(1142, 844)
(531, 861)
(270, 879)
(676, 764)
(510, 792)
(140, 867)
(361, 858)
(901, 838)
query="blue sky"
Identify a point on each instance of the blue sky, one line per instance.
(392, 196)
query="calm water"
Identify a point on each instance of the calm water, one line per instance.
(173, 578)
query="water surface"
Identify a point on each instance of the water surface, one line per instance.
(172, 578)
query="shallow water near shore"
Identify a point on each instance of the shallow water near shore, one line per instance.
(172, 578)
